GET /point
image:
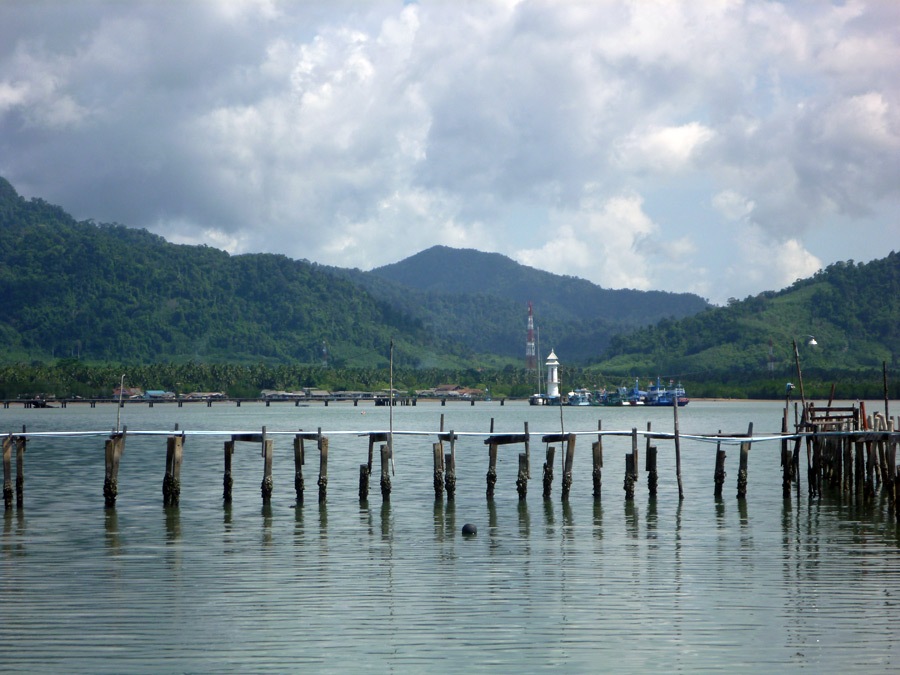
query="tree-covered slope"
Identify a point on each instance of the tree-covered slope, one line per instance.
(108, 292)
(481, 299)
(852, 310)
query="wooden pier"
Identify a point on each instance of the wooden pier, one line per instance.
(847, 452)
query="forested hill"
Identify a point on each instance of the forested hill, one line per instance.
(852, 310)
(113, 293)
(483, 298)
(466, 271)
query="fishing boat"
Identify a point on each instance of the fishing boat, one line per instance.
(579, 397)
(659, 395)
(623, 396)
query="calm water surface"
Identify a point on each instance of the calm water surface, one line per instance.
(582, 586)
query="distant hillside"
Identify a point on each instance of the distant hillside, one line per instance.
(481, 298)
(113, 293)
(852, 310)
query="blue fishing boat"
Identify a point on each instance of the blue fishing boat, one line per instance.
(657, 394)
(579, 397)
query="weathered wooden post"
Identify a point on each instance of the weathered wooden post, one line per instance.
(323, 468)
(631, 467)
(677, 452)
(742, 471)
(597, 457)
(114, 447)
(20, 471)
(522, 478)
(629, 477)
(385, 473)
(492, 470)
(527, 453)
(299, 458)
(567, 466)
(227, 481)
(548, 471)
(786, 464)
(652, 475)
(8, 443)
(450, 466)
(171, 487)
(719, 476)
(437, 450)
(267, 485)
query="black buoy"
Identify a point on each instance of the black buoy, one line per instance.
(470, 529)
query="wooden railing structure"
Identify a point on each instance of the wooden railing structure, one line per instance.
(846, 451)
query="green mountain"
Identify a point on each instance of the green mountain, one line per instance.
(113, 293)
(482, 298)
(851, 310)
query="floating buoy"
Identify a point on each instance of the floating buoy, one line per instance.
(469, 529)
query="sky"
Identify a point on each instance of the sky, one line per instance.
(722, 148)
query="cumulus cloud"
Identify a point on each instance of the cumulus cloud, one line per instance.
(631, 143)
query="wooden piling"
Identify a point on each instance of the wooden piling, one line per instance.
(567, 467)
(20, 471)
(438, 456)
(631, 467)
(450, 465)
(786, 464)
(629, 477)
(114, 447)
(719, 475)
(678, 452)
(171, 488)
(385, 473)
(492, 470)
(597, 461)
(267, 484)
(323, 468)
(299, 458)
(522, 478)
(744, 462)
(227, 480)
(652, 475)
(8, 443)
(548, 471)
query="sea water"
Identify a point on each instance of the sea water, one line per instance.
(763, 585)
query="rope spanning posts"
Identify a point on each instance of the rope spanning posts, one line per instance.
(833, 447)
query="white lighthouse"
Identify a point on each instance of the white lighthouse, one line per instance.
(552, 365)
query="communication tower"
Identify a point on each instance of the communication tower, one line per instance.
(530, 354)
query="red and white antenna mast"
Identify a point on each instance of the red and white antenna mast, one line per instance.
(530, 354)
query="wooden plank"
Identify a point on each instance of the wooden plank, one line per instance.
(505, 439)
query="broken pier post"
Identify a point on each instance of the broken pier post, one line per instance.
(114, 447)
(171, 487)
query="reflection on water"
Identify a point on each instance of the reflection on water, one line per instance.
(763, 584)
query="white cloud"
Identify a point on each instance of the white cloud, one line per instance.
(667, 149)
(733, 205)
(607, 139)
(767, 263)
